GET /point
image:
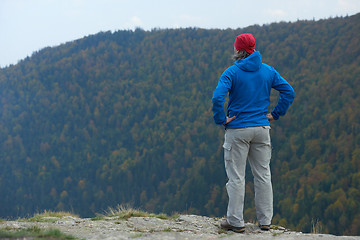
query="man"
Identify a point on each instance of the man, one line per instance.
(247, 129)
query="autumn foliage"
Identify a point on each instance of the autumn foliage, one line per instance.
(125, 118)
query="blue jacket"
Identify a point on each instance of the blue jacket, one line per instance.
(249, 82)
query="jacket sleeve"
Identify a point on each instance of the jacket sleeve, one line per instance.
(287, 95)
(218, 99)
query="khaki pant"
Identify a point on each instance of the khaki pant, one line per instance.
(252, 144)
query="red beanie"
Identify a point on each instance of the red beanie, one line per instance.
(245, 42)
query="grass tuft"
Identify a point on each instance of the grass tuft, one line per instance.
(316, 226)
(137, 235)
(49, 216)
(98, 218)
(35, 232)
(126, 212)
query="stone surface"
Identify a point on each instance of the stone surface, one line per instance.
(182, 228)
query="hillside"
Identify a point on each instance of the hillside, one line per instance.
(125, 117)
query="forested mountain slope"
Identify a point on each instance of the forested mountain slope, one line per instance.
(125, 117)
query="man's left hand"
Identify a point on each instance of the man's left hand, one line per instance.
(229, 120)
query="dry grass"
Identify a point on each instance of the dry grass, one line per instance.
(126, 212)
(49, 216)
(316, 226)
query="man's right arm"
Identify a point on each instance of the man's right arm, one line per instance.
(218, 100)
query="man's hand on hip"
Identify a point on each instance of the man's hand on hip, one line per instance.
(229, 120)
(270, 117)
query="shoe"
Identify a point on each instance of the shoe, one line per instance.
(226, 226)
(264, 227)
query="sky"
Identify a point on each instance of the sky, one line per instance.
(27, 26)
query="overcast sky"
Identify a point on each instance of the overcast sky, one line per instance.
(30, 25)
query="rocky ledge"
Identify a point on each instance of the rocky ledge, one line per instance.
(179, 228)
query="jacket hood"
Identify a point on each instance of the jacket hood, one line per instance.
(250, 64)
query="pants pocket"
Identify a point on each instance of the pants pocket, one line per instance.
(227, 151)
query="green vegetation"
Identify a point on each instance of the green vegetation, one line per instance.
(137, 235)
(34, 233)
(125, 118)
(98, 218)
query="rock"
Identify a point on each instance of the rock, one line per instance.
(182, 228)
